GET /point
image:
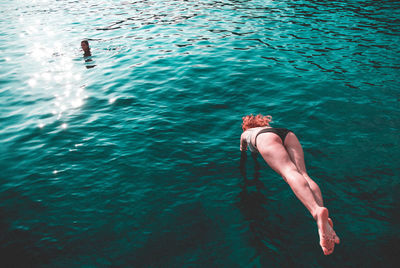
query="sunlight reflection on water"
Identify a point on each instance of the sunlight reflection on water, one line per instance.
(51, 70)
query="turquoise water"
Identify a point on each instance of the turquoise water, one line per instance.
(135, 161)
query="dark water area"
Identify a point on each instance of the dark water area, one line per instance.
(130, 158)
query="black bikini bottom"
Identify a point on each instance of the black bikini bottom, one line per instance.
(281, 132)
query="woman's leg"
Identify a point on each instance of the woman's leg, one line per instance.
(295, 151)
(276, 156)
(274, 153)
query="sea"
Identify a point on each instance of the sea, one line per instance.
(130, 157)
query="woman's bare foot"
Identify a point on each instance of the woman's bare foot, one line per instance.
(327, 236)
(330, 222)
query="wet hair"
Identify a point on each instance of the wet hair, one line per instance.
(86, 42)
(250, 121)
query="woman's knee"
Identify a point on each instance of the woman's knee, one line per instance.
(291, 174)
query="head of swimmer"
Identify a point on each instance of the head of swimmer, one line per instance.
(85, 47)
(251, 121)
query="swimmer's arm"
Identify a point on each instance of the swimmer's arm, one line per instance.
(243, 142)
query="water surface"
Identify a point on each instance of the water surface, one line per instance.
(135, 162)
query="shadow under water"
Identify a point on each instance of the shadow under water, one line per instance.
(267, 233)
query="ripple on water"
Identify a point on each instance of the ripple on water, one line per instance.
(139, 147)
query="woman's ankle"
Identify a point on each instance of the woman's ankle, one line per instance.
(319, 212)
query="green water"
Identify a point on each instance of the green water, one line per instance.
(134, 161)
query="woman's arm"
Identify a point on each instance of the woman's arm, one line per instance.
(243, 142)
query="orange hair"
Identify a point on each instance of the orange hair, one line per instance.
(250, 121)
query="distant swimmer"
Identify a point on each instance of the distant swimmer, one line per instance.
(86, 49)
(282, 151)
(86, 53)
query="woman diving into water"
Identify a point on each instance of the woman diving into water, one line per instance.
(282, 151)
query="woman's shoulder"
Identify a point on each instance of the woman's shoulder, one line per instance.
(245, 133)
